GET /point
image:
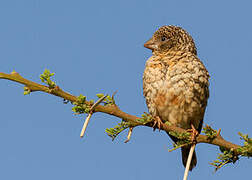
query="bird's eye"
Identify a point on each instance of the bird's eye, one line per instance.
(163, 38)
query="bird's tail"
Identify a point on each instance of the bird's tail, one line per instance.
(185, 152)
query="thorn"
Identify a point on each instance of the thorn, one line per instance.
(90, 114)
(218, 133)
(113, 95)
(188, 163)
(85, 125)
(56, 88)
(97, 102)
(170, 150)
(129, 135)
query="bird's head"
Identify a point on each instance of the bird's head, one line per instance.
(171, 38)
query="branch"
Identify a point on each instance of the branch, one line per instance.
(112, 109)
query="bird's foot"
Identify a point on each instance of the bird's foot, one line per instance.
(194, 133)
(157, 123)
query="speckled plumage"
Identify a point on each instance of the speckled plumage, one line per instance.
(175, 81)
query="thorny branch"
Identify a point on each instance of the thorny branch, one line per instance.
(212, 137)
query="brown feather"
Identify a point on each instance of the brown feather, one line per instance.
(185, 152)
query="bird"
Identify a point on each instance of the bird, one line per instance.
(176, 82)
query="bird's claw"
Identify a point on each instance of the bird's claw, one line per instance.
(194, 133)
(157, 123)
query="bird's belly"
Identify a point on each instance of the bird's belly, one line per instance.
(181, 109)
(181, 100)
(178, 95)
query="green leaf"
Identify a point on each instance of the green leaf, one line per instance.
(209, 132)
(115, 131)
(226, 157)
(146, 118)
(26, 90)
(46, 78)
(100, 95)
(80, 105)
(246, 149)
(107, 101)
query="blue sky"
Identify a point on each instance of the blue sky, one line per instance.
(97, 47)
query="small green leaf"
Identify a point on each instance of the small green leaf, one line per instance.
(227, 156)
(113, 132)
(100, 95)
(146, 118)
(246, 149)
(107, 101)
(26, 90)
(209, 132)
(46, 78)
(80, 105)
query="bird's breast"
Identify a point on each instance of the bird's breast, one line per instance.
(153, 78)
(177, 92)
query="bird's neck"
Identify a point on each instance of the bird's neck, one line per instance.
(170, 53)
(171, 57)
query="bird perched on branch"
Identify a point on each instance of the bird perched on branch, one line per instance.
(175, 82)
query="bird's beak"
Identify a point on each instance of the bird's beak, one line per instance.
(151, 45)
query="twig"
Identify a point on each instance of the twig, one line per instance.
(85, 125)
(218, 133)
(113, 95)
(129, 135)
(89, 115)
(177, 147)
(116, 111)
(189, 159)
